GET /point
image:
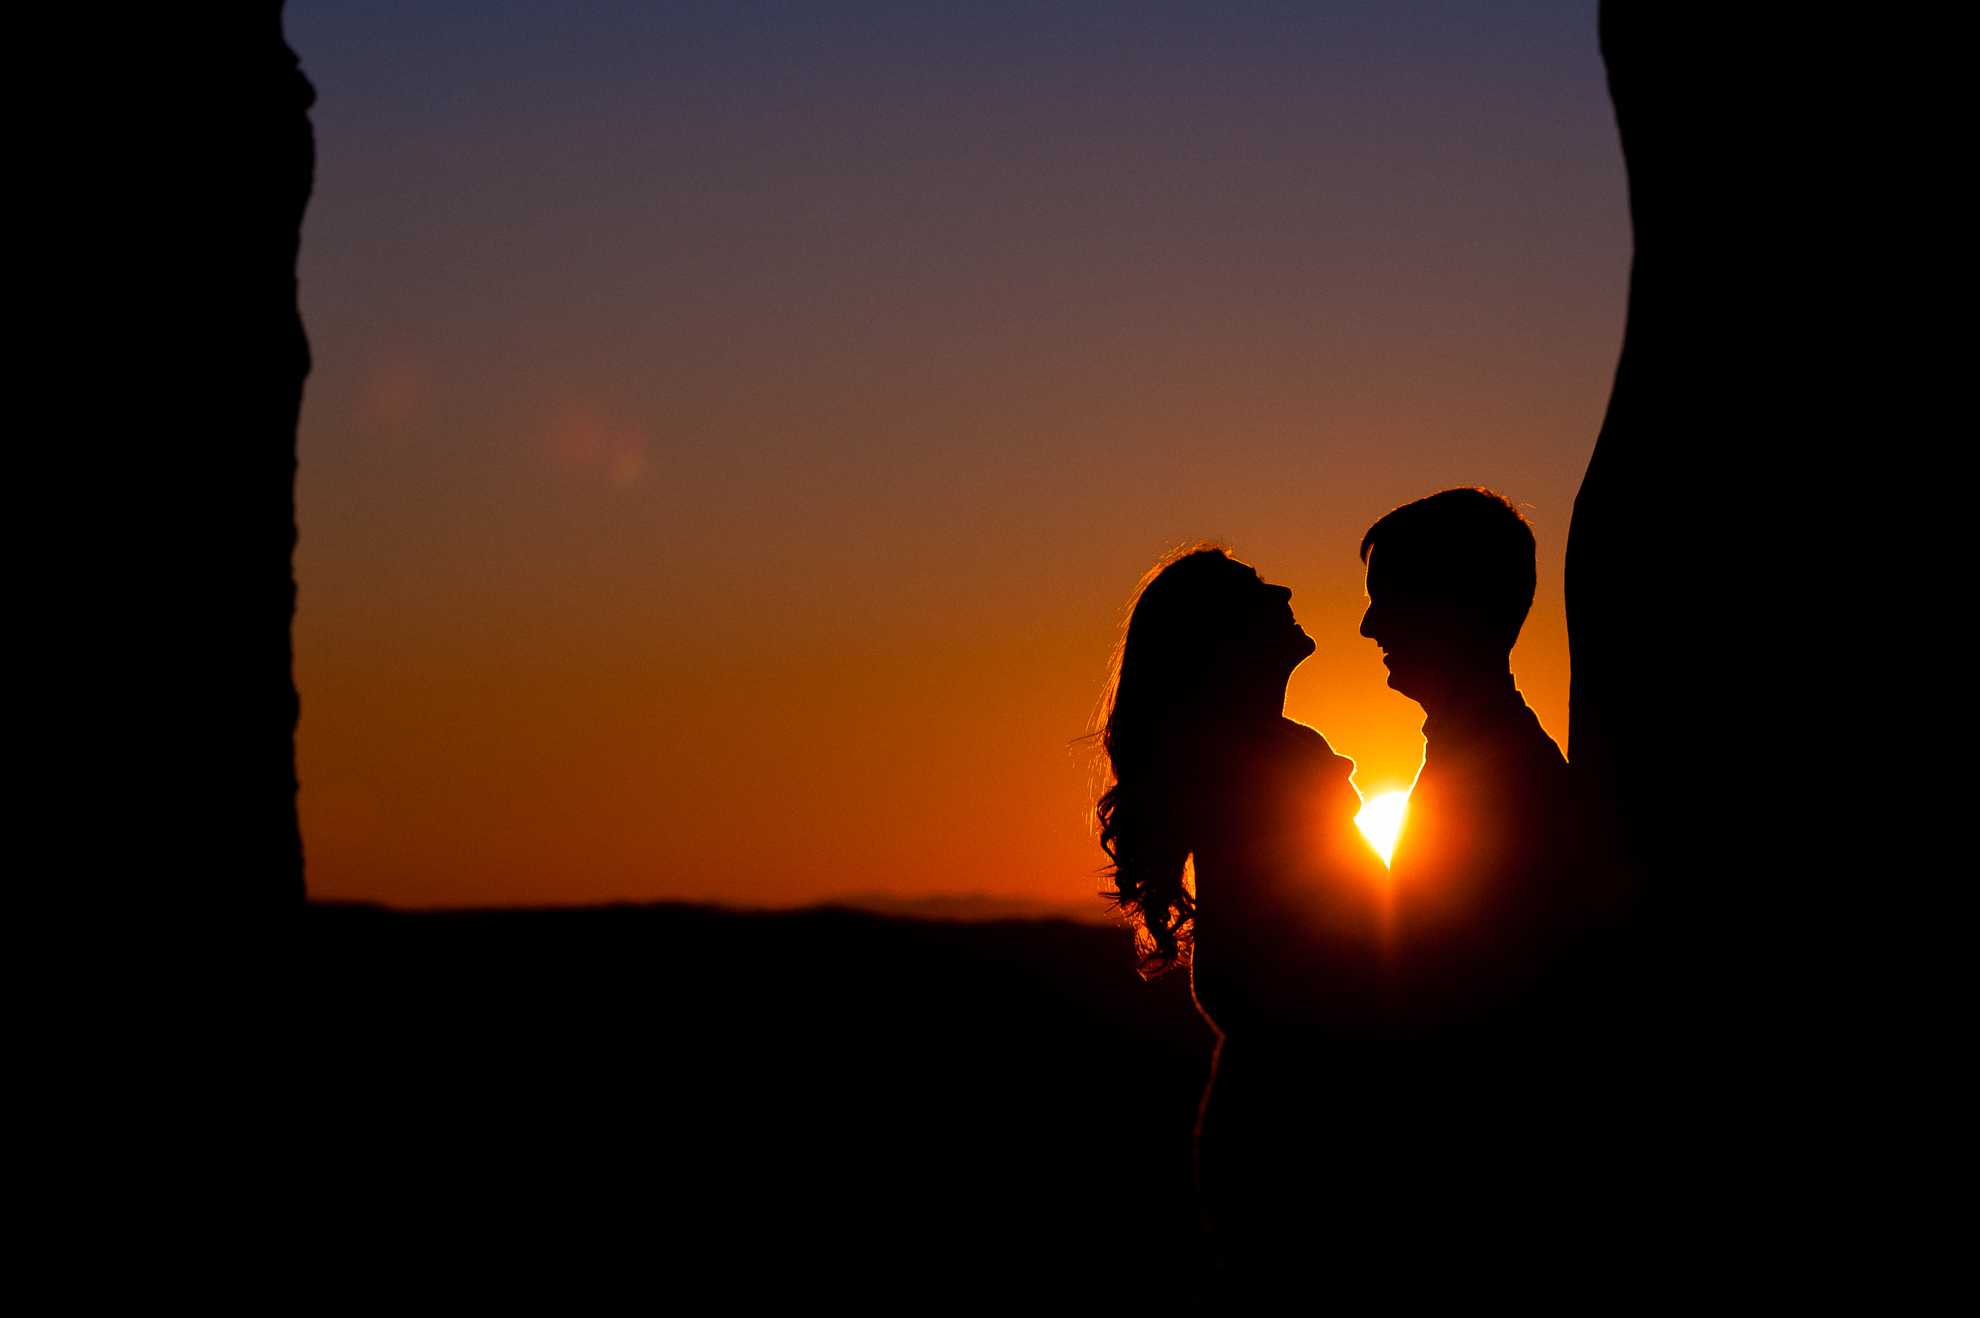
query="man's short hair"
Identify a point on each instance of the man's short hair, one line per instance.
(1465, 544)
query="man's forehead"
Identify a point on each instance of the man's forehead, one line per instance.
(1395, 568)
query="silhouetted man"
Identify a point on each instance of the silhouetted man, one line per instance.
(1481, 876)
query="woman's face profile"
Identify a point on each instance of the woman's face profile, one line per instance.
(1268, 640)
(1279, 606)
(1211, 634)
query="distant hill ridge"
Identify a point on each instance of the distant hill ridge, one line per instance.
(968, 908)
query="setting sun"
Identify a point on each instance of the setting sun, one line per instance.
(1381, 819)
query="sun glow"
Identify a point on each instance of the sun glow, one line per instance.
(1381, 819)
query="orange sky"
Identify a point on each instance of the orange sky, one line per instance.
(733, 436)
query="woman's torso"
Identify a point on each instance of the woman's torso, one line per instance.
(1287, 893)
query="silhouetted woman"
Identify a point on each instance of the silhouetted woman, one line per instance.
(1231, 830)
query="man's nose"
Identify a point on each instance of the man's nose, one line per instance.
(1368, 623)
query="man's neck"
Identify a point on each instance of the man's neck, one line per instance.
(1469, 694)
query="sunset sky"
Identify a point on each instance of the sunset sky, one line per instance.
(737, 427)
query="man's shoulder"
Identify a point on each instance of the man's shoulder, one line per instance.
(1521, 750)
(1534, 740)
(1510, 744)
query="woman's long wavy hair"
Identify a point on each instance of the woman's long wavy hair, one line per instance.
(1165, 683)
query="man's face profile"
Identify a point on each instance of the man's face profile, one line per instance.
(1429, 638)
(1395, 621)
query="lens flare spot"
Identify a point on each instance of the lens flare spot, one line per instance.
(392, 396)
(1381, 819)
(586, 438)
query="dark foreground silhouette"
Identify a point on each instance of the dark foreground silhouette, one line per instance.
(161, 865)
(1758, 571)
(487, 1099)
(676, 1102)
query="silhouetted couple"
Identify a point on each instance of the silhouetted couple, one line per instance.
(1377, 1024)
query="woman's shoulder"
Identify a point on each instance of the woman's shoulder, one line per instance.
(1308, 739)
(1308, 745)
